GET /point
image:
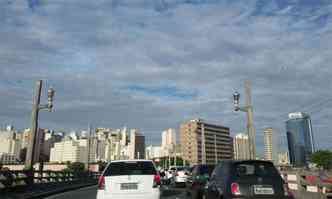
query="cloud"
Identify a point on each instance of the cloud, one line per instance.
(152, 64)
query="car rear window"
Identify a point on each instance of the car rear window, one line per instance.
(206, 169)
(130, 168)
(255, 168)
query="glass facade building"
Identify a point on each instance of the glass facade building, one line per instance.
(300, 139)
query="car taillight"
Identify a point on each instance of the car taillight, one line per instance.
(287, 191)
(235, 188)
(101, 183)
(156, 181)
(177, 174)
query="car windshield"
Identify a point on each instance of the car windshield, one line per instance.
(255, 168)
(130, 168)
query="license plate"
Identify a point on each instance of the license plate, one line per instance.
(129, 186)
(263, 190)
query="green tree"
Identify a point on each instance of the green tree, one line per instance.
(102, 165)
(77, 167)
(322, 158)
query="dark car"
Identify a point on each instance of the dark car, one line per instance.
(248, 179)
(196, 182)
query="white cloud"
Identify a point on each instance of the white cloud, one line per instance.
(91, 50)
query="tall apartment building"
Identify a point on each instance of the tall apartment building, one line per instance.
(136, 145)
(10, 146)
(217, 144)
(68, 150)
(168, 141)
(268, 144)
(241, 147)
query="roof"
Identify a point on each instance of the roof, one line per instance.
(135, 160)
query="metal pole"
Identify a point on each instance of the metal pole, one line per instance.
(29, 162)
(250, 117)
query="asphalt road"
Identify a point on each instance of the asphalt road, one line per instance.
(90, 193)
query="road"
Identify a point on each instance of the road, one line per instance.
(90, 193)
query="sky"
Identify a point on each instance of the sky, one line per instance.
(152, 64)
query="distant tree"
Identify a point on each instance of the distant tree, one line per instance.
(102, 165)
(77, 167)
(322, 158)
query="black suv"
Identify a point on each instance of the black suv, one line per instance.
(196, 182)
(249, 179)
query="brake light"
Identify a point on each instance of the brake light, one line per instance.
(235, 188)
(177, 174)
(101, 183)
(156, 181)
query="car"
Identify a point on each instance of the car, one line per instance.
(129, 179)
(179, 175)
(246, 179)
(197, 180)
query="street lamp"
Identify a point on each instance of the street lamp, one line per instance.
(50, 95)
(36, 107)
(236, 97)
(248, 108)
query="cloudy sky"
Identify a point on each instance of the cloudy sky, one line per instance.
(152, 64)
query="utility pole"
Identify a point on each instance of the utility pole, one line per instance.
(248, 108)
(36, 107)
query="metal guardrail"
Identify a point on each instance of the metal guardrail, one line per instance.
(13, 179)
(307, 184)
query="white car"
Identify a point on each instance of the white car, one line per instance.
(129, 179)
(180, 175)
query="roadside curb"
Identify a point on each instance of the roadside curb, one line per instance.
(58, 191)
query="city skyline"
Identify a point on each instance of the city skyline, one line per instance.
(153, 66)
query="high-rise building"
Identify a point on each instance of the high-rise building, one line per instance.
(136, 145)
(300, 139)
(168, 138)
(152, 152)
(168, 141)
(268, 145)
(202, 142)
(241, 147)
(68, 150)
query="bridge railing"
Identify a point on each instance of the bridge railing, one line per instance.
(307, 184)
(13, 179)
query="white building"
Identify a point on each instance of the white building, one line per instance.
(152, 152)
(168, 141)
(6, 158)
(136, 145)
(241, 147)
(73, 151)
(268, 145)
(10, 146)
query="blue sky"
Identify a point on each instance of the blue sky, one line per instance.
(152, 64)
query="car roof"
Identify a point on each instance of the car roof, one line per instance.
(136, 160)
(245, 161)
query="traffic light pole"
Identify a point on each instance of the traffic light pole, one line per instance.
(34, 128)
(248, 108)
(36, 107)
